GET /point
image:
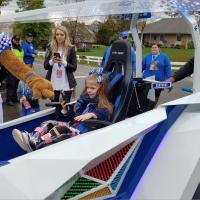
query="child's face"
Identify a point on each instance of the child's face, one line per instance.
(92, 88)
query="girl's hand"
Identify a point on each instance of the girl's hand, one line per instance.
(64, 106)
(84, 117)
(23, 98)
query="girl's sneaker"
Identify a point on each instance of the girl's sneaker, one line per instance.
(22, 139)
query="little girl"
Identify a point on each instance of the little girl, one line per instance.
(30, 105)
(93, 104)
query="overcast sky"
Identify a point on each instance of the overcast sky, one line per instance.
(13, 6)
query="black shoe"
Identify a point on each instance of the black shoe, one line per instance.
(10, 103)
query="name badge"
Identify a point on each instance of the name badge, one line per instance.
(163, 85)
(59, 73)
(153, 65)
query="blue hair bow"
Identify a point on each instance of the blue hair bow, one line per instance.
(5, 43)
(99, 72)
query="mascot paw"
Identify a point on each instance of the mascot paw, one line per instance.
(41, 87)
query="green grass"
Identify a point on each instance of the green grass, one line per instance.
(175, 55)
(94, 52)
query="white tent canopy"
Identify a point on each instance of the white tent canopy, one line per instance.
(103, 8)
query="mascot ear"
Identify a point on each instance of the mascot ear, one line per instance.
(41, 87)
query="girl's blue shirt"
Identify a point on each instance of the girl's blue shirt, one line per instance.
(24, 90)
(87, 105)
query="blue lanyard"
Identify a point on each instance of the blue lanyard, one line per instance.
(154, 57)
(60, 65)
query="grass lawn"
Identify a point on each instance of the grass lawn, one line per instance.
(175, 55)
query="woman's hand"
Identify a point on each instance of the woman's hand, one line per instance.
(84, 117)
(60, 61)
(56, 59)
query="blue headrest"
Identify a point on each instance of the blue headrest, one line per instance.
(115, 80)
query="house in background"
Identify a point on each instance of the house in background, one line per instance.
(85, 38)
(172, 32)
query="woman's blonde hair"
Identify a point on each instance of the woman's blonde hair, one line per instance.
(66, 44)
(103, 92)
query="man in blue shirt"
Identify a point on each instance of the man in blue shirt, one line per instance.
(29, 50)
(122, 36)
(156, 64)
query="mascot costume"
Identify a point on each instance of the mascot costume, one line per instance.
(41, 88)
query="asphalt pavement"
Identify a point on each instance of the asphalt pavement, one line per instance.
(13, 112)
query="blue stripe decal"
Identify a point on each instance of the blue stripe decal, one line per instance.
(117, 178)
(145, 153)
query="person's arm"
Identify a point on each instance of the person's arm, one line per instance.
(99, 113)
(184, 71)
(85, 116)
(102, 114)
(72, 61)
(144, 64)
(81, 105)
(48, 62)
(167, 68)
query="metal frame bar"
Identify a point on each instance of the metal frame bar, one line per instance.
(191, 21)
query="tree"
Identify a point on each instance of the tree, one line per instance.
(108, 29)
(79, 31)
(3, 3)
(69, 1)
(41, 31)
(141, 26)
(30, 5)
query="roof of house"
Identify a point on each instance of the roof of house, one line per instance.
(170, 26)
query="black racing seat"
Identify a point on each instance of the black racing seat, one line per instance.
(120, 72)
